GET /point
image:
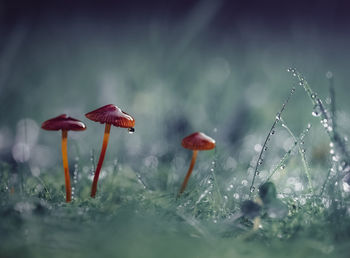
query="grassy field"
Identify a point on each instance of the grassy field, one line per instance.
(286, 127)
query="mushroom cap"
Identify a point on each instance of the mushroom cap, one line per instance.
(63, 122)
(111, 114)
(198, 141)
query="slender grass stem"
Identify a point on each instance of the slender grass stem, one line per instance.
(281, 163)
(258, 162)
(302, 154)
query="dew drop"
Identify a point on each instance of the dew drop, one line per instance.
(346, 183)
(272, 132)
(283, 167)
(329, 75)
(278, 116)
(315, 113)
(236, 196)
(292, 90)
(260, 161)
(252, 189)
(313, 95)
(244, 182)
(303, 150)
(301, 83)
(131, 130)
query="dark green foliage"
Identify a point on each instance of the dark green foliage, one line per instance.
(250, 209)
(268, 192)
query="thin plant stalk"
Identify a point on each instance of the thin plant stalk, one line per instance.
(281, 163)
(65, 166)
(189, 172)
(100, 161)
(278, 117)
(302, 154)
(333, 135)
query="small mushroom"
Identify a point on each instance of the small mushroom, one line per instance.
(64, 123)
(196, 142)
(109, 115)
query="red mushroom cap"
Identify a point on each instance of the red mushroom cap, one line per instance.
(111, 114)
(63, 122)
(198, 141)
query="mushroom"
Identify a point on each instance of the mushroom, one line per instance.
(64, 123)
(197, 142)
(109, 115)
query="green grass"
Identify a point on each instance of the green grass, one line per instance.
(136, 213)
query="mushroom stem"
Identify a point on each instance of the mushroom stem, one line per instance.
(100, 161)
(194, 156)
(65, 166)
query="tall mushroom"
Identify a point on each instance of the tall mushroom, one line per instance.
(64, 123)
(196, 142)
(109, 115)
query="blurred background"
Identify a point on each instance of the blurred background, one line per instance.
(176, 66)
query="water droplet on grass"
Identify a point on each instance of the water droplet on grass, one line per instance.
(315, 114)
(278, 116)
(346, 183)
(317, 111)
(244, 182)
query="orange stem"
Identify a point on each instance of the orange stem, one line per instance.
(194, 156)
(100, 161)
(65, 166)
